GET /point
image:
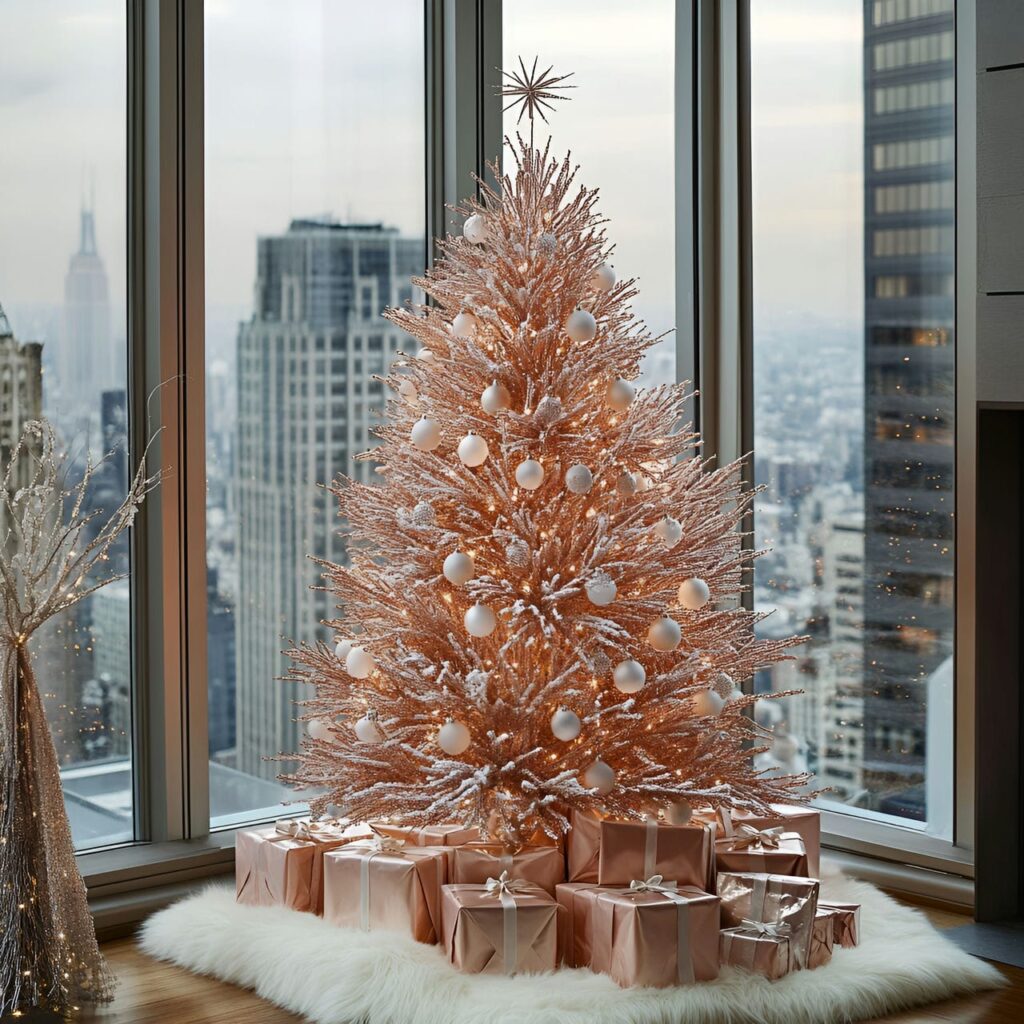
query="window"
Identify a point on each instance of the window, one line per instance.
(621, 121)
(854, 272)
(314, 223)
(63, 345)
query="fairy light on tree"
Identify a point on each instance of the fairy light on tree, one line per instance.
(546, 576)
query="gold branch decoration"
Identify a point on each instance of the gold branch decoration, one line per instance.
(54, 551)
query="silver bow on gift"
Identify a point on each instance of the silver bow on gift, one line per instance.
(766, 929)
(303, 828)
(505, 886)
(746, 836)
(380, 843)
(653, 884)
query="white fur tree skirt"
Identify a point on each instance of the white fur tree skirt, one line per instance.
(336, 976)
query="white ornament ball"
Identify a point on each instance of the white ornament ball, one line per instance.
(679, 813)
(464, 326)
(480, 620)
(529, 474)
(565, 725)
(475, 229)
(318, 729)
(694, 594)
(453, 737)
(603, 279)
(579, 479)
(342, 648)
(581, 326)
(629, 676)
(664, 634)
(473, 450)
(601, 590)
(425, 434)
(621, 394)
(707, 702)
(367, 729)
(359, 663)
(425, 355)
(458, 568)
(408, 391)
(599, 776)
(669, 531)
(625, 486)
(495, 398)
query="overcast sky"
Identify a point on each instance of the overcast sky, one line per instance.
(315, 106)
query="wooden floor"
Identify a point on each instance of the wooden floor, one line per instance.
(154, 993)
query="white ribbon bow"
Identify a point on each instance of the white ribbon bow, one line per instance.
(384, 844)
(303, 828)
(746, 836)
(503, 885)
(653, 884)
(767, 929)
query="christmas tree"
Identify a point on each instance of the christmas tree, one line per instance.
(540, 613)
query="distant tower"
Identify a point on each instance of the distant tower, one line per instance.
(88, 360)
(21, 389)
(307, 400)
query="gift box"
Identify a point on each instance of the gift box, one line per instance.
(771, 899)
(821, 940)
(474, 863)
(506, 926)
(574, 923)
(755, 946)
(384, 885)
(845, 922)
(614, 852)
(652, 934)
(770, 851)
(428, 835)
(283, 865)
(805, 821)
(583, 846)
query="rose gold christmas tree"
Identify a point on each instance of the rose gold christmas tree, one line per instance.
(541, 610)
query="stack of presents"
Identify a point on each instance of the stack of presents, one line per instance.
(647, 902)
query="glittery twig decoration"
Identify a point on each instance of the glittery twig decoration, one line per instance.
(53, 553)
(534, 553)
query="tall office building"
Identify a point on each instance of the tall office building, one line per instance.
(88, 362)
(21, 389)
(909, 249)
(307, 401)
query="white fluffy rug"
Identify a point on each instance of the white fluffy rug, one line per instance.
(335, 976)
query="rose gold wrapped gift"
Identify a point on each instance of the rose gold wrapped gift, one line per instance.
(845, 922)
(805, 821)
(503, 927)
(653, 934)
(767, 850)
(428, 835)
(821, 940)
(755, 946)
(639, 849)
(583, 846)
(476, 862)
(574, 923)
(283, 866)
(771, 899)
(384, 885)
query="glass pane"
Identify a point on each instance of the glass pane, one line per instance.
(619, 126)
(62, 287)
(315, 197)
(853, 224)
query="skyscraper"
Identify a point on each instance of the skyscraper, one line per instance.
(88, 361)
(909, 252)
(307, 401)
(21, 388)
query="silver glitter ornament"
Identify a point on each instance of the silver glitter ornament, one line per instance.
(547, 243)
(423, 515)
(549, 411)
(517, 554)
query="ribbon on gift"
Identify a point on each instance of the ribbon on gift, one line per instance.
(747, 836)
(327, 830)
(684, 954)
(757, 930)
(505, 889)
(370, 848)
(758, 900)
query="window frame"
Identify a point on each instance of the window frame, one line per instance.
(463, 128)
